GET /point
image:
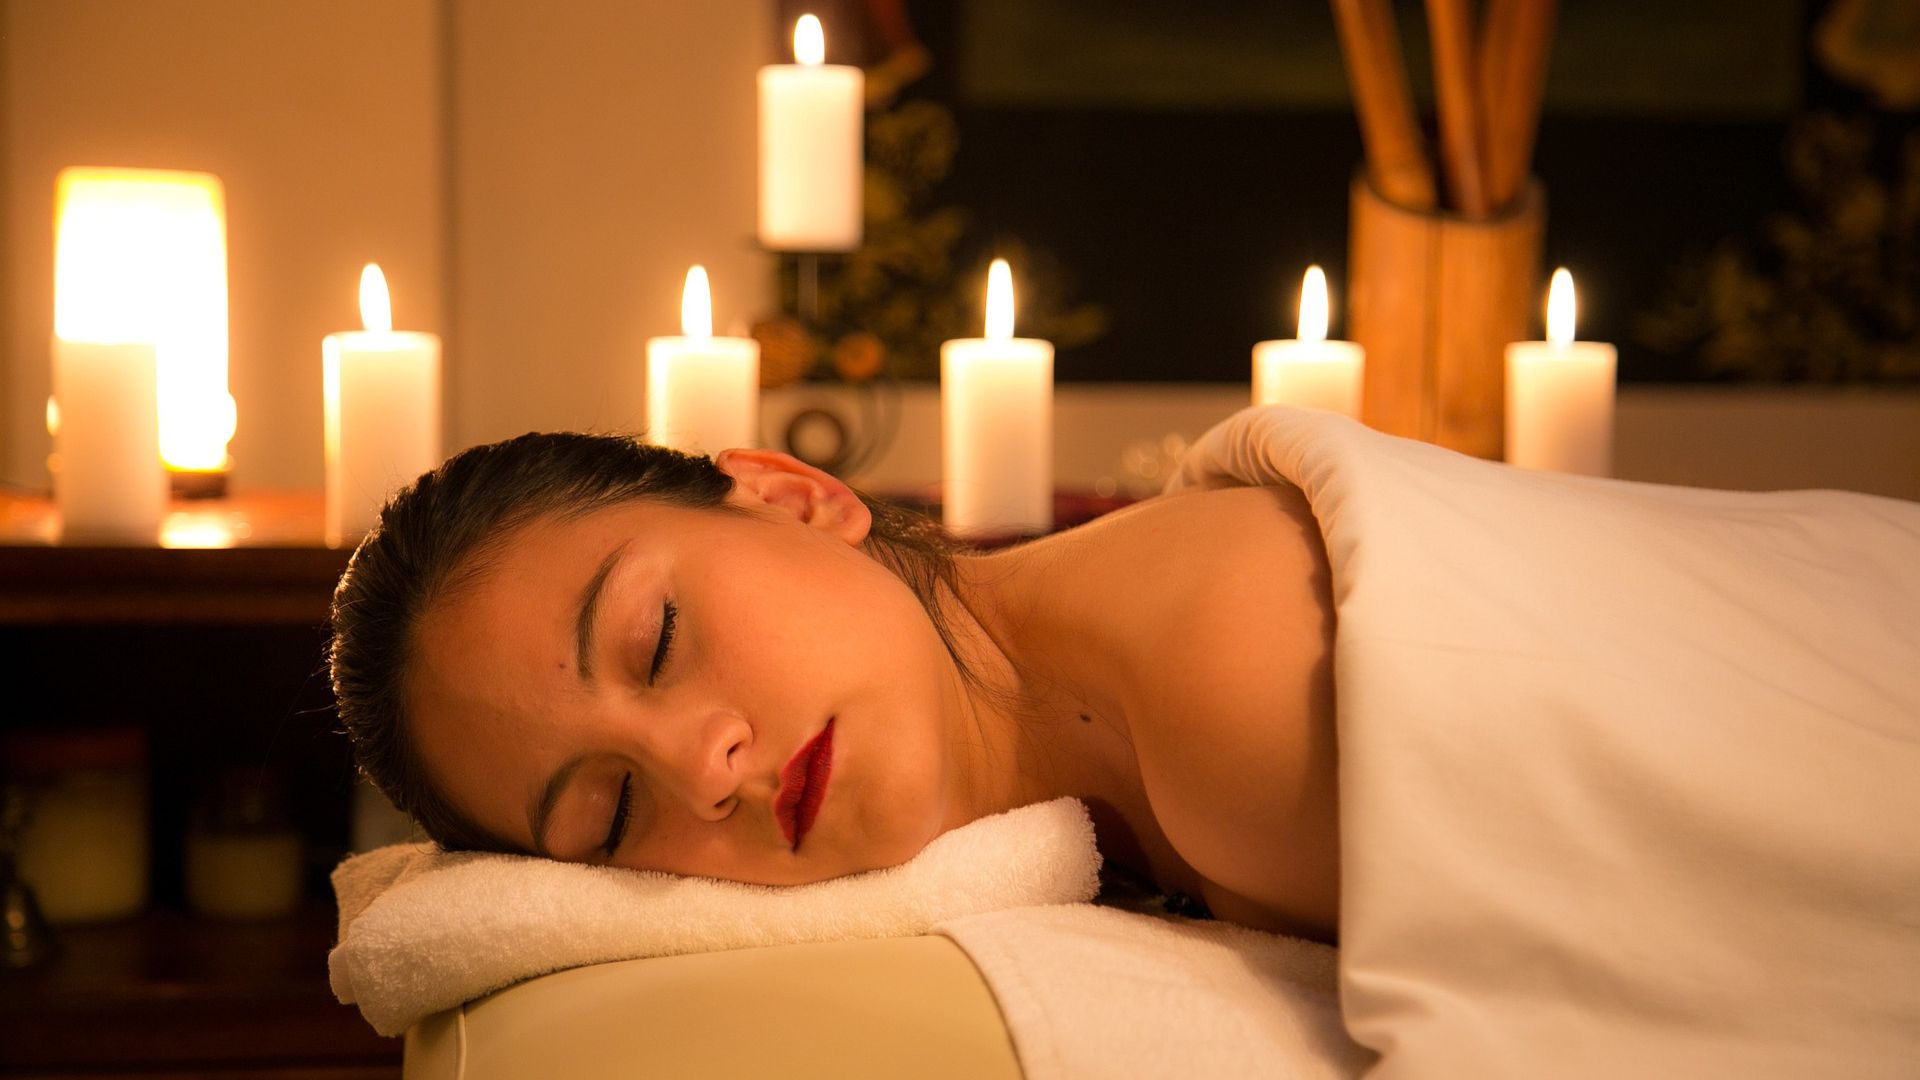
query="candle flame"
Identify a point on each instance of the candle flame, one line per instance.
(999, 301)
(696, 305)
(1313, 305)
(1560, 308)
(376, 306)
(809, 41)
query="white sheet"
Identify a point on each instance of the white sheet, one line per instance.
(1089, 992)
(1630, 774)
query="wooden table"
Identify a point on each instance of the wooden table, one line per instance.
(250, 559)
(173, 994)
(139, 634)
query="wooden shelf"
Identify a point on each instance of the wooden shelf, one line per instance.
(246, 580)
(170, 991)
(251, 559)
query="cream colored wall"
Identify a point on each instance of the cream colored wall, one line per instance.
(534, 178)
(600, 148)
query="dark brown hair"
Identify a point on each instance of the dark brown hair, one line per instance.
(435, 534)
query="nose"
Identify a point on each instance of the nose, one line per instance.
(712, 763)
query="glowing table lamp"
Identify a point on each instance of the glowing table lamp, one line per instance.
(141, 257)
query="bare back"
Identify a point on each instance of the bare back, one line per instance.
(1213, 631)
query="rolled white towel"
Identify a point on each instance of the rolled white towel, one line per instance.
(422, 930)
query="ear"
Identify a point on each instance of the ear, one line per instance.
(771, 479)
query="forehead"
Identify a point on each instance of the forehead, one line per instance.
(520, 595)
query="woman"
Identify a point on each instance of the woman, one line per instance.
(595, 650)
(1626, 773)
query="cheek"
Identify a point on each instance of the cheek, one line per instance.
(813, 614)
(696, 849)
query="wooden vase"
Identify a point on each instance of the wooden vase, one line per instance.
(1435, 298)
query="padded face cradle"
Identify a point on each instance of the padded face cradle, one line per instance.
(910, 1006)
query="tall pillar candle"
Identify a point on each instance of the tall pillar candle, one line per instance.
(381, 394)
(811, 116)
(123, 243)
(996, 424)
(105, 419)
(703, 392)
(1560, 395)
(1310, 371)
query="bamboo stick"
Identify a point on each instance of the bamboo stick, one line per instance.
(1396, 161)
(1450, 25)
(1496, 29)
(1522, 33)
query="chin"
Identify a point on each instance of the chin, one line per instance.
(881, 846)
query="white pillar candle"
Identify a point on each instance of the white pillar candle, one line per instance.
(703, 392)
(1310, 371)
(115, 299)
(996, 424)
(108, 481)
(810, 155)
(1560, 395)
(381, 394)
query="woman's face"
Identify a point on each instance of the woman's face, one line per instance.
(548, 709)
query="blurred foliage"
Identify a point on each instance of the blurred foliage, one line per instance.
(888, 305)
(1829, 292)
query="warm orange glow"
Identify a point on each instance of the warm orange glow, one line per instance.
(197, 529)
(696, 305)
(1560, 308)
(999, 301)
(376, 304)
(809, 41)
(1313, 305)
(140, 257)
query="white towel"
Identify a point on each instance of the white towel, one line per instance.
(1089, 992)
(422, 930)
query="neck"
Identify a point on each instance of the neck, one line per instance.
(1032, 724)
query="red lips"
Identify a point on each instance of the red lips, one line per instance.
(803, 786)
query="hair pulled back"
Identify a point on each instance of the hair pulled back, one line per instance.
(437, 533)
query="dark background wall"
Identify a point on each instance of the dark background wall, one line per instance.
(1177, 166)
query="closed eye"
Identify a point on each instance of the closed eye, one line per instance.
(669, 615)
(618, 828)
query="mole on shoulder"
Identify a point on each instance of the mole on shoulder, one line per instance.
(1085, 719)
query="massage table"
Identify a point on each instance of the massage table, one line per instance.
(911, 1006)
(1629, 785)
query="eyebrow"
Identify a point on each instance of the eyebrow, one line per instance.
(589, 607)
(542, 807)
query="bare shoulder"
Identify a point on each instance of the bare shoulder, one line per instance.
(1230, 703)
